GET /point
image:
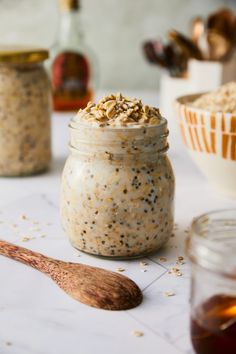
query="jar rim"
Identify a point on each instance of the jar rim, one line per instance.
(73, 124)
(123, 142)
(212, 241)
(18, 54)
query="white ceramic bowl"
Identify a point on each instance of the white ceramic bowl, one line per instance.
(211, 141)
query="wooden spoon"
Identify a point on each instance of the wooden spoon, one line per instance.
(92, 286)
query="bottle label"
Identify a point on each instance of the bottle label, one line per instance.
(71, 79)
(70, 71)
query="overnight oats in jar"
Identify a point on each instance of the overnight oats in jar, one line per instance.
(117, 189)
(25, 109)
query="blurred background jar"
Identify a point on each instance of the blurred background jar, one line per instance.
(211, 249)
(73, 66)
(25, 107)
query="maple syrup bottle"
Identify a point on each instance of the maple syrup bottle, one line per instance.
(72, 69)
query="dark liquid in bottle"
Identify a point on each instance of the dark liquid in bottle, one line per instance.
(71, 82)
(213, 328)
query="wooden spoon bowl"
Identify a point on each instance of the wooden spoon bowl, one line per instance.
(92, 286)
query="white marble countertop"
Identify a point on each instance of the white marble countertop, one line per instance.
(36, 317)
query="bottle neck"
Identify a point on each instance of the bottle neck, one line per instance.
(70, 27)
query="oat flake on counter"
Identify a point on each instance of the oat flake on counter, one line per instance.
(169, 293)
(137, 333)
(120, 269)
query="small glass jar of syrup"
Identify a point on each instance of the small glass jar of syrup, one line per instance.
(211, 248)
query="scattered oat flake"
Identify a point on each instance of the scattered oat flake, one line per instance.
(8, 343)
(48, 223)
(180, 260)
(34, 229)
(144, 270)
(175, 271)
(27, 238)
(137, 333)
(23, 217)
(42, 236)
(179, 263)
(35, 222)
(169, 293)
(143, 263)
(120, 269)
(163, 259)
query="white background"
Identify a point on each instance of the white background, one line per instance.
(115, 29)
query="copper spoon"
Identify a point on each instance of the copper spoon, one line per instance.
(92, 286)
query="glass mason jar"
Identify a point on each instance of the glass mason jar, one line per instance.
(212, 252)
(25, 107)
(117, 190)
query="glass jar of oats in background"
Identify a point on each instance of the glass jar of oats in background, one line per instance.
(118, 185)
(25, 107)
(212, 252)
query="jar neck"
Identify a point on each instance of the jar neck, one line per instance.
(70, 29)
(139, 143)
(212, 243)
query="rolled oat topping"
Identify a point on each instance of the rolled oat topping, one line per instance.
(221, 100)
(118, 110)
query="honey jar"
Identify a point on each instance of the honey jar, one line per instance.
(211, 248)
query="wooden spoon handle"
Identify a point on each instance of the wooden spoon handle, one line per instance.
(23, 255)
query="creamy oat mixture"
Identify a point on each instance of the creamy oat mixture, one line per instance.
(118, 185)
(24, 119)
(221, 100)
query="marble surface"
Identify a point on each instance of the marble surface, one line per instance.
(36, 317)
